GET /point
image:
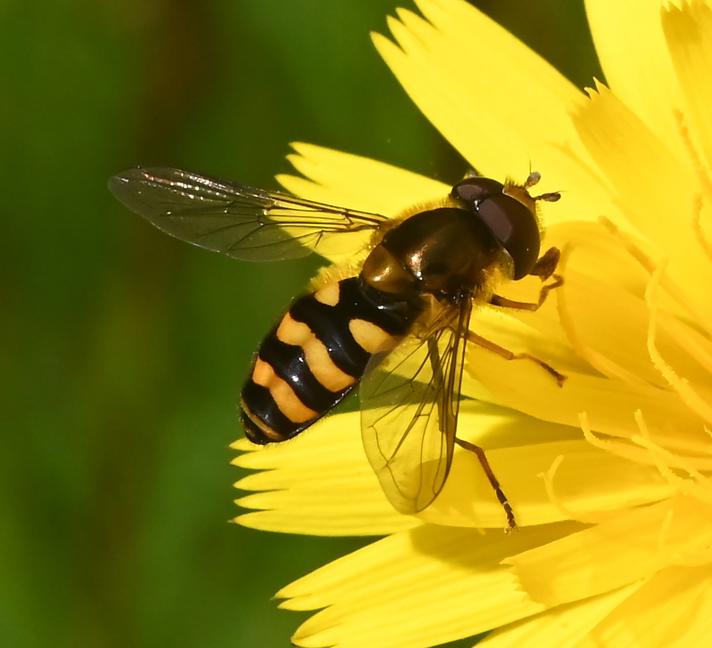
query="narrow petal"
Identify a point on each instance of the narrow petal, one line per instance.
(589, 248)
(349, 180)
(604, 308)
(414, 589)
(596, 248)
(539, 334)
(588, 483)
(692, 345)
(609, 324)
(319, 483)
(564, 626)
(307, 512)
(617, 552)
(674, 608)
(610, 404)
(696, 393)
(656, 189)
(477, 106)
(632, 51)
(688, 31)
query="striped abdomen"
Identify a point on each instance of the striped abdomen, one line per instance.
(316, 355)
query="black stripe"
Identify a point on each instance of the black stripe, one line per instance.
(331, 327)
(253, 431)
(289, 363)
(359, 301)
(330, 324)
(260, 402)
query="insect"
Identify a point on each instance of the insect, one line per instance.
(398, 326)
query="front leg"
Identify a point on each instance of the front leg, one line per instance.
(546, 264)
(543, 268)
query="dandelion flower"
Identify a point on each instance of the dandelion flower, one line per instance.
(609, 476)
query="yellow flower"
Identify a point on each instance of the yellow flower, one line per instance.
(609, 476)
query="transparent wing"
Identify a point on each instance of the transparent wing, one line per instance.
(237, 220)
(409, 406)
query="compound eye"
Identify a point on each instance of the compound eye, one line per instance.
(473, 190)
(515, 227)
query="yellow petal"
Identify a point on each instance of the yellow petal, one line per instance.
(477, 107)
(689, 36)
(632, 51)
(696, 393)
(565, 625)
(629, 547)
(356, 182)
(610, 404)
(691, 345)
(293, 515)
(348, 180)
(604, 308)
(613, 255)
(421, 587)
(609, 326)
(673, 609)
(588, 483)
(318, 483)
(595, 249)
(588, 247)
(656, 189)
(537, 333)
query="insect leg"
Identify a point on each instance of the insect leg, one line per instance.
(543, 268)
(498, 300)
(546, 264)
(510, 355)
(480, 454)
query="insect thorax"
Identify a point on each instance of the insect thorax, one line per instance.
(446, 252)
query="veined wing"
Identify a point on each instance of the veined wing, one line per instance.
(240, 221)
(409, 406)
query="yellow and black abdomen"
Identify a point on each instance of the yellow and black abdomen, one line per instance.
(317, 354)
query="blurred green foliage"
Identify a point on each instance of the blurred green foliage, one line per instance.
(123, 349)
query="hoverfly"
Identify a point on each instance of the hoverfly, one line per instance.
(398, 327)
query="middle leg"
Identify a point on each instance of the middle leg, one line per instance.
(511, 355)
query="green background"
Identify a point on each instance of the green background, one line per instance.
(122, 349)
